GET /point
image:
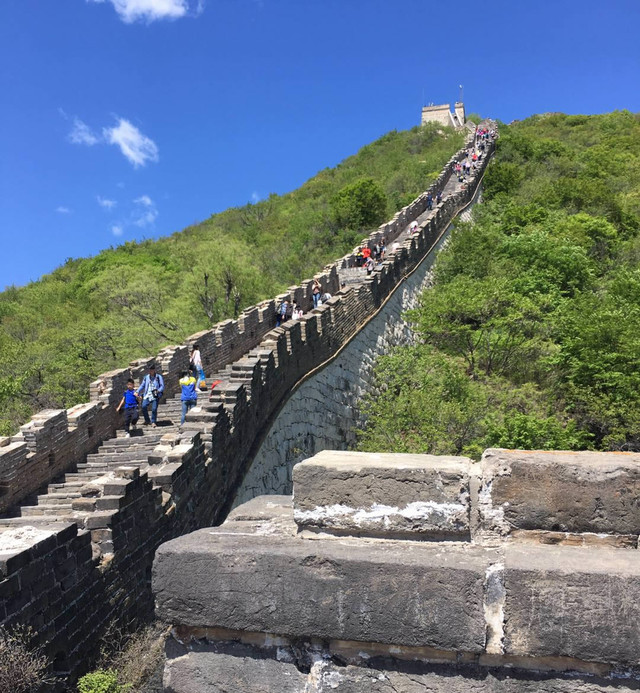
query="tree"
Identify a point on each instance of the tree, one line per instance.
(493, 328)
(530, 432)
(425, 404)
(360, 205)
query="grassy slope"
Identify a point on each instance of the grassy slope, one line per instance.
(531, 336)
(98, 313)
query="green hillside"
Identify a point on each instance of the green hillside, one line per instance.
(95, 314)
(531, 336)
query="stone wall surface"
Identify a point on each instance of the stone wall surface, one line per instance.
(336, 609)
(125, 501)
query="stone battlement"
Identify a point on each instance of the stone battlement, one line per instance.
(413, 573)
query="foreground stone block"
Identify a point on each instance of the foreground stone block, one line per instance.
(238, 669)
(572, 602)
(560, 491)
(389, 592)
(416, 680)
(365, 494)
(207, 672)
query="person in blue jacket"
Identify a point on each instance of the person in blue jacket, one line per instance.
(151, 390)
(189, 395)
(129, 401)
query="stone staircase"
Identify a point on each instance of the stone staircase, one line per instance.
(77, 493)
(65, 498)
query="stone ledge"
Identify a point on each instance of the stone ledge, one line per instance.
(365, 494)
(406, 593)
(279, 666)
(573, 492)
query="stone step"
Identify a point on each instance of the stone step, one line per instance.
(118, 457)
(147, 440)
(60, 485)
(81, 476)
(38, 510)
(57, 498)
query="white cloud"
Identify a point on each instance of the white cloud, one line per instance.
(146, 214)
(81, 133)
(142, 213)
(151, 10)
(136, 147)
(63, 210)
(107, 204)
(255, 197)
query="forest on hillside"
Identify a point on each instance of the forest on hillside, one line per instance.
(95, 314)
(530, 337)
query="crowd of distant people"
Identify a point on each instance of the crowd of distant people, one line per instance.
(473, 156)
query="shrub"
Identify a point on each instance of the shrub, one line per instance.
(23, 669)
(101, 681)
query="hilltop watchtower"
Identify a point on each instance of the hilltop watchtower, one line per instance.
(444, 115)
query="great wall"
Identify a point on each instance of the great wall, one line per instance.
(358, 572)
(84, 509)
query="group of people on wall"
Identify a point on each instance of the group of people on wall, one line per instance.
(148, 394)
(473, 156)
(292, 310)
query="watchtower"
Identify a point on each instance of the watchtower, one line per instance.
(444, 115)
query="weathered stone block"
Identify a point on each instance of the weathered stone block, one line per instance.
(425, 679)
(221, 669)
(573, 602)
(205, 672)
(560, 491)
(392, 592)
(383, 494)
(262, 508)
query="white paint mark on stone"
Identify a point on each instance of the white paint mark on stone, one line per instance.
(492, 518)
(314, 680)
(494, 599)
(428, 512)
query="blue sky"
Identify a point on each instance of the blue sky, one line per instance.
(130, 119)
